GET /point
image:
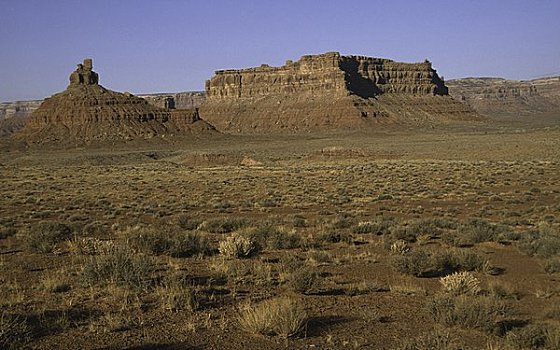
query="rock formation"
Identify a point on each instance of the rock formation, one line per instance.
(86, 112)
(497, 97)
(181, 100)
(328, 91)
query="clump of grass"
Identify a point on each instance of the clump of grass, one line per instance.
(15, 333)
(478, 312)
(364, 287)
(175, 295)
(56, 282)
(275, 317)
(45, 236)
(224, 225)
(459, 283)
(120, 266)
(407, 287)
(237, 246)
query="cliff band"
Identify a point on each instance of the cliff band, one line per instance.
(328, 91)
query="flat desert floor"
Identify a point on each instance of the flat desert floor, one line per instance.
(442, 238)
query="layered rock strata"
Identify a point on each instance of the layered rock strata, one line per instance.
(86, 111)
(328, 91)
(497, 97)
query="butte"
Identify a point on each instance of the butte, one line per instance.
(330, 92)
(87, 112)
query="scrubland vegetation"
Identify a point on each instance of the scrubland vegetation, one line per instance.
(295, 252)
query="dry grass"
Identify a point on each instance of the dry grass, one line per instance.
(282, 316)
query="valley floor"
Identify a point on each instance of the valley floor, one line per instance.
(347, 236)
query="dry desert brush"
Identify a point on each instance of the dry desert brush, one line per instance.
(281, 316)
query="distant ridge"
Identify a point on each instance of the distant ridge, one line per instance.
(495, 97)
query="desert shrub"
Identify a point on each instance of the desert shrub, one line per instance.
(90, 246)
(299, 221)
(477, 231)
(95, 228)
(410, 232)
(120, 266)
(459, 283)
(187, 244)
(532, 336)
(6, 232)
(380, 226)
(276, 317)
(478, 312)
(333, 236)
(224, 225)
(304, 280)
(415, 263)
(237, 246)
(423, 263)
(467, 260)
(15, 333)
(342, 221)
(438, 339)
(267, 236)
(167, 240)
(502, 290)
(552, 265)
(186, 222)
(544, 242)
(45, 236)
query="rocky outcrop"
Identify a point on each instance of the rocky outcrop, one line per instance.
(328, 91)
(86, 112)
(18, 108)
(179, 100)
(496, 97)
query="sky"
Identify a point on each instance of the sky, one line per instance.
(143, 46)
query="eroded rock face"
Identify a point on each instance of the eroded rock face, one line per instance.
(497, 97)
(86, 111)
(327, 91)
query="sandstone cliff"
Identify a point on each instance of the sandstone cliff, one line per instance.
(180, 100)
(86, 112)
(328, 91)
(496, 97)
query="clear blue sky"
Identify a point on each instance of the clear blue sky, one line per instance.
(165, 45)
